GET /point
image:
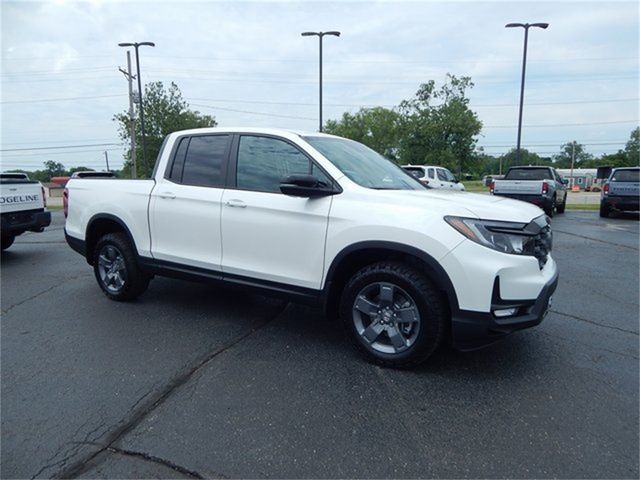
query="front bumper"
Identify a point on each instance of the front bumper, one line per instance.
(472, 330)
(15, 223)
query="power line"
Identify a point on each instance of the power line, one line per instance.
(61, 99)
(46, 154)
(59, 147)
(253, 113)
(620, 142)
(263, 102)
(60, 141)
(562, 124)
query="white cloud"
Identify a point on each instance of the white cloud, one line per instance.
(234, 53)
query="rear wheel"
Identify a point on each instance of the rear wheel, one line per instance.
(393, 314)
(116, 268)
(551, 208)
(7, 241)
(605, 210)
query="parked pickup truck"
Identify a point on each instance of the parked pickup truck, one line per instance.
(542, 186)
(621, 191)
(22, 207)
(327, 220)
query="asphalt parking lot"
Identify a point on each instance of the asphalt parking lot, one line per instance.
(194, 381)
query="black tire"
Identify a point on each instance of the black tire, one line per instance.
(605, 210)
(551, 208)
(133, 281)
(432, 322)
(7, 241)
(561, 208)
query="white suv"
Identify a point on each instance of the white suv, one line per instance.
(435, 177)
(321, 219)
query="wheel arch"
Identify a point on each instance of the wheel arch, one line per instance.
(358, 255)
(102, 224)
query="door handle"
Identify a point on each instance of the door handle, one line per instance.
(236, 204)
(169, 195)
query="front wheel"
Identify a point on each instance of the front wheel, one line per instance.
(116, 268)
(393, 314)
(7, 241)
(561, 207)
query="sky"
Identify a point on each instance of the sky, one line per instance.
(246, 64)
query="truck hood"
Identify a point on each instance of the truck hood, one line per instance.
(484, 206)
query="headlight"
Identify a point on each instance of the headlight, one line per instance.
(506, 237)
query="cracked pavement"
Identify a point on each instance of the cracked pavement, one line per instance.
(194, 381)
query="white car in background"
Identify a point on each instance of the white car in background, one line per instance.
(435, 177)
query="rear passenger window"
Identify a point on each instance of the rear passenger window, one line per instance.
(204, 160)
(263, 162)
(175, 174)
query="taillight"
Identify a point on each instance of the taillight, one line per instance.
(44, 197)
(605, 189)
(545, 188)
(65, 202)
(492, 187)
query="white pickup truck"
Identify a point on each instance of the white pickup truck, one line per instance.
(323, 219)
(542, 186)
(22, 207)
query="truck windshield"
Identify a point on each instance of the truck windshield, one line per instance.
(528, 174)
(364, 166)
(626, 176)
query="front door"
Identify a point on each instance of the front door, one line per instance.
(267, 235)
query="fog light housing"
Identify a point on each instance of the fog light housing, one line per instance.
(505, 312)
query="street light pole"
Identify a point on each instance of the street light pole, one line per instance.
(320, 36)
(132, 125)
(136, 45)
(526, 27)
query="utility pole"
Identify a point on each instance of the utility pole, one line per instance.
(132, 123)
(573, 156)
(106, 158)
(136, 45)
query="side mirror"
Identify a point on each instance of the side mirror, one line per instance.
(565, 181)
(306, 186)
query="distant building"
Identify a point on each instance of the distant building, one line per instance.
(584, 178)
(53, 189)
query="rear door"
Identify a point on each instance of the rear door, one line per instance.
(267, 235)
(184, 214)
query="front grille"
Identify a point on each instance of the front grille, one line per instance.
(542, 244)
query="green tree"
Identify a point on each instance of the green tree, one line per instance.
(378, 128)
(80, 169)
(581, 156)
(437, 126)
(629, 157)
(165, 111)
(632, 148)
(54, 169)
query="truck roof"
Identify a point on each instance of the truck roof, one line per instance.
(265, 131)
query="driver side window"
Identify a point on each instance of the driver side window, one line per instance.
(263, 162)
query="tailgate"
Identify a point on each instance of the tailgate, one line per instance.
(624, 189)
(15, 197)
(518, 187)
